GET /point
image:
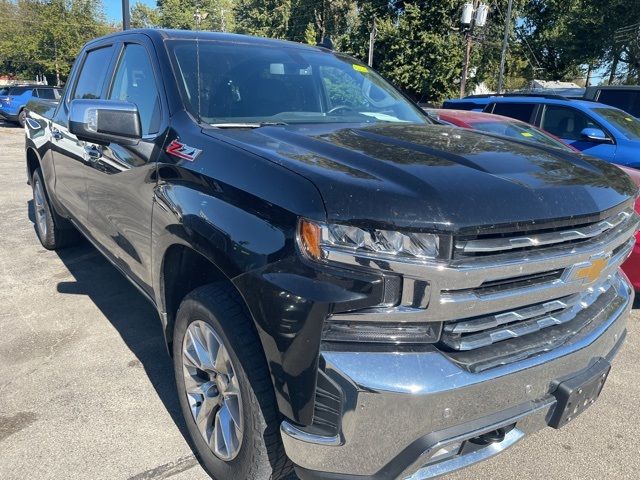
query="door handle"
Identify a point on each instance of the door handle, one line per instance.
(93, 153)
(55, 134)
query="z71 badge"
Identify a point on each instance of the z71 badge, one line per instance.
(183, 151)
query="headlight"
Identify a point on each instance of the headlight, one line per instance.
(317, 239)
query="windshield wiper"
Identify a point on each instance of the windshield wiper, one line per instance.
(246, 124)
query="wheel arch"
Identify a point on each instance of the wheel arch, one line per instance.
(33, 162)
(182, 270)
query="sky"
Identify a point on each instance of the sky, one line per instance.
(113, 8)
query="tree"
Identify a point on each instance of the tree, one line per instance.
(43, 37)
(265, 18)
(144, 16)
(417, 45)
(216, 14)
(328, 18)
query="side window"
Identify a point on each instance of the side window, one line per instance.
(94, 70)
(48, 93)
(566, 123)
(519, 111)
(616, 98)
(134, 82)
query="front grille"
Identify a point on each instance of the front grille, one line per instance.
(479, 332)
(510, 317)
(489, 244)
(559, 328)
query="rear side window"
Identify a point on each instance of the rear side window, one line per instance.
(49, 93)
(627, 100)
(519, 111)
(92, 75)
(135, 83)
(565, 122)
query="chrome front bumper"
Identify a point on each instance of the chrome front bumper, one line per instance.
(401, 408)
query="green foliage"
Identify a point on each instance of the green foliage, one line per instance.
(144, 16)
(310, 34)
(179, 14)
(44, 37)
(264, 18)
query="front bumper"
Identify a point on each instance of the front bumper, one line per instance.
(401, 408)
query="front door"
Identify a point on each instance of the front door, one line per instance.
(71, 157)
(122, 178)
(567, 123)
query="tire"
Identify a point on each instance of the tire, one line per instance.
(54, 232)
(258, 453)
(22, 117)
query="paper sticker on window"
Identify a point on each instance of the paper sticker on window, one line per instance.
(359, 68)
(526, 134)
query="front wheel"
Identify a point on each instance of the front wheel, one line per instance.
(224, 388)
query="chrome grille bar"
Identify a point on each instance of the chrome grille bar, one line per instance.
(492, 321)
(494, 245)
(520, 328)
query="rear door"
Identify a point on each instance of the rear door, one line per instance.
(121, 180)
(72, 157)
(567, 123)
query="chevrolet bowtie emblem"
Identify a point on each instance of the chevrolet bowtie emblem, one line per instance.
(590, 273)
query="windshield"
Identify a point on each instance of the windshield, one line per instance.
(627, 124)
(520, 131)
(234, 83)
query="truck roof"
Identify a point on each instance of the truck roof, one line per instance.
(160, 34)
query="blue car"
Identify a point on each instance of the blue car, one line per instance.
(13, 99)
(593, 128)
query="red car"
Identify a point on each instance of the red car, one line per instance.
(632, 266)
(499, 125)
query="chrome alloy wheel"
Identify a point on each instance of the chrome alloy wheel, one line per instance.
(39, 206)
(212, 390)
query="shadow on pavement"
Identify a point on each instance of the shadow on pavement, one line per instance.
(134, 318)
(9, 125)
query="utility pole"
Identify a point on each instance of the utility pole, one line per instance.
(198, 17)
(505, 43)
(372, 41)
(222, 23)
(465, 62)
(126, 15)
(473, 15)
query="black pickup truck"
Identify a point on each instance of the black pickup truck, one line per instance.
(346, 289)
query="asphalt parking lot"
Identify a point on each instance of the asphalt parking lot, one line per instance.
(86, 389)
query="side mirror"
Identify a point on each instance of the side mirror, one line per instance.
(105, 121)
(594, 135)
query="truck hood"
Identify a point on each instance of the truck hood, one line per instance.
(435, 177)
